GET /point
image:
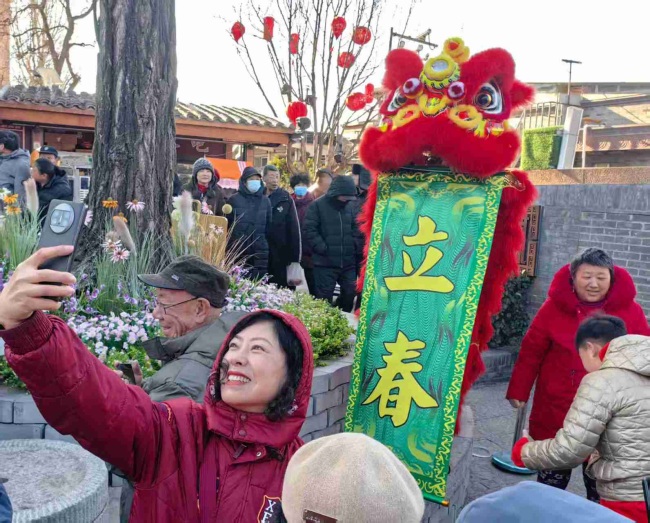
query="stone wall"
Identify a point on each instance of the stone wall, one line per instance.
(611, 216)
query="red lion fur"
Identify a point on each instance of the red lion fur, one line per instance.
(463, 151)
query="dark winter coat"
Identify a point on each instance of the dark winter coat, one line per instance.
(302, 204)
(285, 240)
(189, 462)
(213, 197)
(548, 353)
(250, 223)
(58, 188)
(357, 207)
(331, 229)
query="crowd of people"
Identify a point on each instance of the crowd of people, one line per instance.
(296, 237)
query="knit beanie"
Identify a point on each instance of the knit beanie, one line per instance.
(351, 478)
(202, 163)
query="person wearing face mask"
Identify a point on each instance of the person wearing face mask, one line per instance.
(302, 198)
(223, 460)
(285, 243)
(205, 187)
(250, 223)
(591, 283)
(331, 231)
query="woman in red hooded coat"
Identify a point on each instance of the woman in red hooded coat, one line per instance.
(221, 461)
(591, 283)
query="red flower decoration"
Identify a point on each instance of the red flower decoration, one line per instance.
(294, 40)
(269, 23)
(338, 26)
(296, 110)
(361, 35)
(356, 101)
(237, 31)
(346, 60)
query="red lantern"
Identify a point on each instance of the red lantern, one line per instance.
(296, 110)
(237, 31)
(269, 22)
(338, 26)
(346, 60)
(370, 93)
(361, 35)
(356, 101)
(294, 40)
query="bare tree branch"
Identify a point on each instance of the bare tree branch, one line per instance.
(42, 35)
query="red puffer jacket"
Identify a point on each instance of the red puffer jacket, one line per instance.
(548, 352)
(190, 462)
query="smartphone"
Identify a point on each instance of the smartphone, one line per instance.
(63, 226)
(127, 370)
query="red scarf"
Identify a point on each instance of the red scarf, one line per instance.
(203, 188)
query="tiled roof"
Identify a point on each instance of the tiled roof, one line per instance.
(56, 97)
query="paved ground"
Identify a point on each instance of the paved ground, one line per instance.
(494, 425)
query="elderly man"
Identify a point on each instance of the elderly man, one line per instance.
(190, 294)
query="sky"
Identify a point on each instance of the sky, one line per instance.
(611, 43)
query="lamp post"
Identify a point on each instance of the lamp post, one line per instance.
(570, 62)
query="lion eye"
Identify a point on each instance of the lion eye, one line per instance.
(489, 99)
(397, 102)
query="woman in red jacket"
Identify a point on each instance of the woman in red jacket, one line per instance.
(589, 284)
(221, 461)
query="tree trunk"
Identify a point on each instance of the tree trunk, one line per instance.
(134, 154)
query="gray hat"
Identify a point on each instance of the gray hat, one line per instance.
(193, 275)
(359, 480)
(200, 164)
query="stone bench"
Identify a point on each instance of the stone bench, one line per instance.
(54, 482)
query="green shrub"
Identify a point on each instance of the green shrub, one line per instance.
(8, 376)
(511, 323)
(540, 148)
(328, 327)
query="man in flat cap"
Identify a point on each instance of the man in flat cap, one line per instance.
(190, 294)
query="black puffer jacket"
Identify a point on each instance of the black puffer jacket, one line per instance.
(250, 223)
(284, 238)
(331, 229)
(58, 188)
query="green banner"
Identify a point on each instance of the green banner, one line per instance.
(431, 239)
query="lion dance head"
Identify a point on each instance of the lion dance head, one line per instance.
(451, 107)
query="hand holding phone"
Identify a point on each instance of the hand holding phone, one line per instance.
(31, 289)
(127, 372)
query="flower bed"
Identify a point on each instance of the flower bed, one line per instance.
(112, 310)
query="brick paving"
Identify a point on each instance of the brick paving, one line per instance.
(494, 425)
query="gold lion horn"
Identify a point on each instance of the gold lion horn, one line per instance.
(456, 49)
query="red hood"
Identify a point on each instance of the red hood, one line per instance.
(260, 430)
(620, 295)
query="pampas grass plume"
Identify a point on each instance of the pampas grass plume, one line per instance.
(124, 234)
(31, 196)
